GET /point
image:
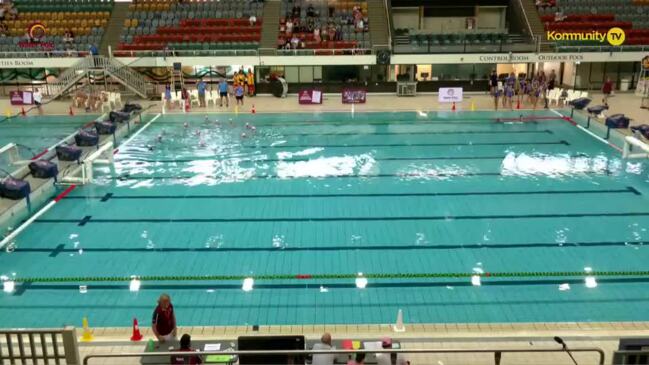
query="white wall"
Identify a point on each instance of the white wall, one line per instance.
(405, 18)
(491, 17)
(569, 71)
(444, 24)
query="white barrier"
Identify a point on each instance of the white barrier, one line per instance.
(86, 166)
(629, 143)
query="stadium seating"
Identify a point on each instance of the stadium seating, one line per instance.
(599, 15)
(338, 14)
(192, 26)
(86, 20)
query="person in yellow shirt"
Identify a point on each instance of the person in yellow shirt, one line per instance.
(251, 82)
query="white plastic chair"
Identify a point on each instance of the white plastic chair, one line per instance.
(193, 98)
(584, 94)
(211, 96)
(117, 97)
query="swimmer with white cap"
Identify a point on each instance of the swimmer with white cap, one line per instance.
(201, 143)
(244, 135)
(186, 125)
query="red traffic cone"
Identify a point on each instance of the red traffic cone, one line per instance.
(518, 104)
(22, 111)
(253, 111)
(453, 107)
(137, 336)
(71, 111)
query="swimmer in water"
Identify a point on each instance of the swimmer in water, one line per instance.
(186, 125)
(159, 138)
(247, 125)
(207, 120)
(201, 143)
(150, 147)
(197, 132)
(243, 135)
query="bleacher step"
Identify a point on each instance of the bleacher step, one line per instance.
(114, 27)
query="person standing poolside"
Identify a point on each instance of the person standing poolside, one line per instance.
(201, 93)
(164, 320)
(223, 92)
(168, 97)
(510, 85)
(251, 82)
(324, 344)
(493, 87)
(607, 89)
(536, 91)
(543, 83)
(238, 94)
(38, 100)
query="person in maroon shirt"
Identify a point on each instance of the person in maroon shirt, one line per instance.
(185, 346)
(607, 89)
(164, 319)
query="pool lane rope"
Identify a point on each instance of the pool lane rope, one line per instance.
(453, 275)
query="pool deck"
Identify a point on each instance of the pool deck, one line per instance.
(626, 103)
(604, 335)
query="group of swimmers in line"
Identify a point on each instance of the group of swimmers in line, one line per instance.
(512, 86)
(250, 130)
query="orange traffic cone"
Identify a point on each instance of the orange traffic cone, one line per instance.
(22, 111)
(453, 107)
(137, 336)
(71, 112)
(518, 104)
(253, 111)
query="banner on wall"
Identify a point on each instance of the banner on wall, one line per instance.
(450, 94)
(21, 97)
(354, 96)
(310, 96)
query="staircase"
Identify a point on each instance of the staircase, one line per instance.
(114, 27)
(526, 11)
(69, 78)
(124, 74)
(379, 24)
(270, 27)
(108, 66)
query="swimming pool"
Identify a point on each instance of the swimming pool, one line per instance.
(411, 196)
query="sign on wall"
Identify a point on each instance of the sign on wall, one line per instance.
(354, 96)
(450, 94)
(310, 96)
(21, 97)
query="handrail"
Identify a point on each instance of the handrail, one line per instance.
(527, 21)
(388, 17)
(43, 54)
(497, 352)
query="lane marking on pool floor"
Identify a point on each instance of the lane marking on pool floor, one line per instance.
(450, 144)
(127, 177)
(133, 248)
(90, 220)
(109, 196)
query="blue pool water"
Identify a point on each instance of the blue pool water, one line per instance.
(35, 133)
(341, 194)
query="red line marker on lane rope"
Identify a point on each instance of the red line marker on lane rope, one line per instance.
(40, 154)
(303, 276)
(65, 193)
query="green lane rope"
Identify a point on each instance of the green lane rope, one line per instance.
(456, 275)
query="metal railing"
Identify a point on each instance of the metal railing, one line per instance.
(533, 37)
(69, 77)
(497, 353)
(131, 79)
(186, 53)
(39, 346)
(43, 54)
